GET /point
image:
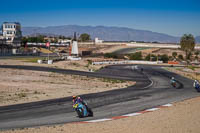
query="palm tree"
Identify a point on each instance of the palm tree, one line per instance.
(187, 43)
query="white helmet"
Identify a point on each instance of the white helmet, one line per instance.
(172, 77)
(195, 80)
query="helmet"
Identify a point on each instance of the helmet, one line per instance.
(172, 77)
(74, 97)
(195, 80)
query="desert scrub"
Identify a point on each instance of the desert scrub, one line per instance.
(113, 80)
(75, 64)
(36, 92)
(89, 62)
(191, 67)
(21, 95)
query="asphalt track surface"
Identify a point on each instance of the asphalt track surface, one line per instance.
(151, 90)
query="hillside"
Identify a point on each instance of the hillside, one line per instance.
(102, 32)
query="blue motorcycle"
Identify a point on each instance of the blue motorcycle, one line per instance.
(197, 87)
(82, 110)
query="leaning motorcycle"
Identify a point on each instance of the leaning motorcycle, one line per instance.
(82, 110)
(173, 83)
(197, 88)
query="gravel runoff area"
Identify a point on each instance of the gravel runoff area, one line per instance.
(182, 117)
(22, 86)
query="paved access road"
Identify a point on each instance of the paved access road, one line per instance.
(143, 95)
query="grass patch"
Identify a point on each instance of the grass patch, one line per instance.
(30, 59)
(191, 67)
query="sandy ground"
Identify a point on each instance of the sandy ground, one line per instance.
(113, 48)
(186, 72)
(182, 117)
(81, 65)
(20, 86)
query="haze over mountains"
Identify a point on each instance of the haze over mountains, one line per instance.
(197, 39)
(104, 33)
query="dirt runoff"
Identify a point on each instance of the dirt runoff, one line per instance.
(20, 86)
(182, 117)
(186, 72)
(82, 65)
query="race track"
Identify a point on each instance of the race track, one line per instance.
(151, 90)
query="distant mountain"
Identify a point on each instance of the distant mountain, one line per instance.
(197, 39)
(102, 32)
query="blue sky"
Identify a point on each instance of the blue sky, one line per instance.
(174, 17)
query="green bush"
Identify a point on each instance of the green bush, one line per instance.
(180, 56)
(174, 54)
(89, 62)
(151, 57)
(164, 58)
(189, 55)
(147, 57)
(136, 56)
(110, 55)
(191, 67)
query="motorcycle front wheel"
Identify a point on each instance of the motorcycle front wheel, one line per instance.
(80, 113)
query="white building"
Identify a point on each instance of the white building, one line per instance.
(12, 33)
(64, 41)
(98, 41)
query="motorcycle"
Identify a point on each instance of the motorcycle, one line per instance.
(173, 83)
(197, 87)
(82, 110)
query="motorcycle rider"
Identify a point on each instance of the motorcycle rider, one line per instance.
(77, 99)
(142, 70)
(196, 84)
(172, 80)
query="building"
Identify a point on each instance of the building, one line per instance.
(12, 33)
(97, 40)
(64, 41)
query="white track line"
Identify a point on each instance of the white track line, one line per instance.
(167, 105)
(98, 120)
(150, 84)
(153, 109)
(133, 114)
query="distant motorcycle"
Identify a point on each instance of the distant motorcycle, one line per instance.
(173, 83)
(82, 110)
(197, 87)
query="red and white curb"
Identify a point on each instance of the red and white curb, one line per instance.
(127, 115)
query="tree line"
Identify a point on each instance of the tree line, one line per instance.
(41, 39)
(187, 44)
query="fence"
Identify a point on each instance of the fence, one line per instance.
(126, 62)
(5, 49)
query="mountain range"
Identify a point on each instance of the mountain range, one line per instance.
(104, 33)
(197, 39)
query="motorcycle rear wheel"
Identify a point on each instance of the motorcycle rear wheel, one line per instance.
(90, 112)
